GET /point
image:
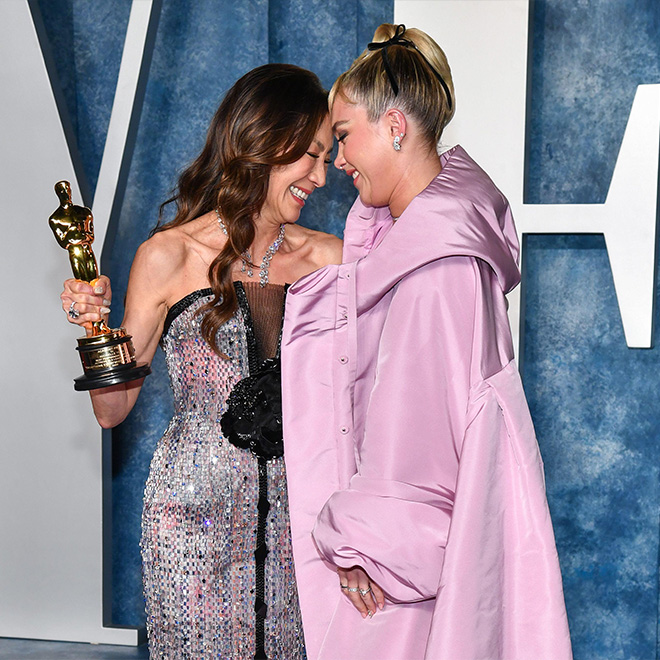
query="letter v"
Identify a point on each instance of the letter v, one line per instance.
(52, 465)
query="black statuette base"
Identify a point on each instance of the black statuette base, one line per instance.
(94, 381)
(108, 358)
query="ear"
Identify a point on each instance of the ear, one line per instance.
(396, 122)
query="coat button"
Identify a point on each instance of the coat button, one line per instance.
(343, 430)
(343, 359)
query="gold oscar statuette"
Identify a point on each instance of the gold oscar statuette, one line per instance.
(107, 355)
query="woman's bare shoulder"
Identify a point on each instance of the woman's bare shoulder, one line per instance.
(323, 248)
(170, 250)
(162, 254)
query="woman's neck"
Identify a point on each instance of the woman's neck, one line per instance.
(265, 235)
(415, 176)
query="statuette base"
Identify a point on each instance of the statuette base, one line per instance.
(108, 359)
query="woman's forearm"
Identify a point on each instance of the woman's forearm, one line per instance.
(112, 404)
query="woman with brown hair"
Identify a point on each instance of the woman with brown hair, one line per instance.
(209, 286)
(418, 511)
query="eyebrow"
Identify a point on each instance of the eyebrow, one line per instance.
(337, 124)
(322, 146)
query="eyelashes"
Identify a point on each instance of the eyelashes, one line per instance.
(327, 161)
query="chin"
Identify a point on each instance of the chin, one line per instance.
(367, 200)
(375, 201)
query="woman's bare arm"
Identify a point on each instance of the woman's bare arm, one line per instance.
(156, 262)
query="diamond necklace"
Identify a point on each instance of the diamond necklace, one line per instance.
(246, 258)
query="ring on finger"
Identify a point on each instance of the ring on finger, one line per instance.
(353, 589)
(73, 312)
(343, 586)
(364, 592)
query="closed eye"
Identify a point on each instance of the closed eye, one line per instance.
(342, 137)
(326, 161)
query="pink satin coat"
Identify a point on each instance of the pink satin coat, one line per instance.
(409, 446)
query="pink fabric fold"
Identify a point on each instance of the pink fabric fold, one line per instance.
(408, 443)
(500, 595)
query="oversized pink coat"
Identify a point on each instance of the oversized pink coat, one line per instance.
(409, 446)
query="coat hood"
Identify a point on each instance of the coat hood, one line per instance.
(460, 213)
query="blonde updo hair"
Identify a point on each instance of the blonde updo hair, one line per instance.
(421, 95)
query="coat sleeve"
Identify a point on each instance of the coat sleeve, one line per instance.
(394, 518)
(500, 595)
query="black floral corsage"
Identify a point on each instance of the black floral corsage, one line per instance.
(253, 419)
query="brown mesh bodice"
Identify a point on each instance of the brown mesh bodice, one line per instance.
(266, 307)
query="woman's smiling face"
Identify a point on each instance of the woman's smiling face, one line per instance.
(290, 185)
(364, 151)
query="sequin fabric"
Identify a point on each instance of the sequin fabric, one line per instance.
(199, 523)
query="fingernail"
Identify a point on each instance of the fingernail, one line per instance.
(106, 302)
(98, 289)
(105, 310)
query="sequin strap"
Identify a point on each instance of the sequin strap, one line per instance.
(260, 554)
(244, 306)
(181, 306)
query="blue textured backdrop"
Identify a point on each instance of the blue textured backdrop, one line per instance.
(592, 398)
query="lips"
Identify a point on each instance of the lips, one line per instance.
(354, 174)
(299, 194)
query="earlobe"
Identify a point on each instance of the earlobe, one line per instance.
(397, 127)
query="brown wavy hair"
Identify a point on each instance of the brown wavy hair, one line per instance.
(267, 119)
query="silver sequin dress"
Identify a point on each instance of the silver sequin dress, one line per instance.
(202, 508)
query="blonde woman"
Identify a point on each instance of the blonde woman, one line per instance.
(419, 518)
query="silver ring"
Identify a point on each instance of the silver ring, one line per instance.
(352, 589)
(343, 586)
(73, 312)
(364, 592)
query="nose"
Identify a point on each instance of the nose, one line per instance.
(317, 175)
(340, 162)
